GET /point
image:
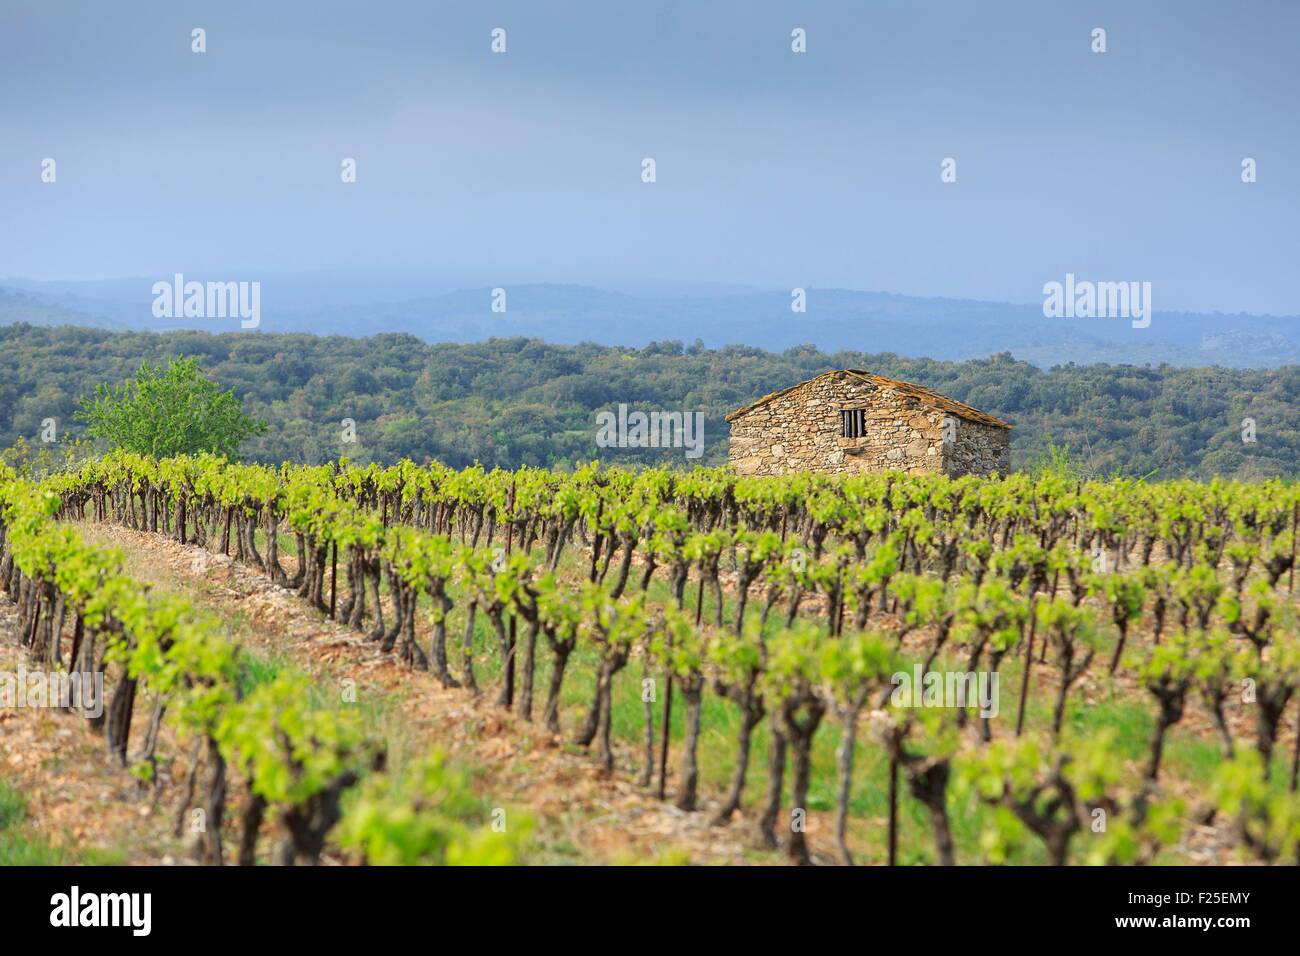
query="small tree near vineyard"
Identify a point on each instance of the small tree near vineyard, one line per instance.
(169, 409)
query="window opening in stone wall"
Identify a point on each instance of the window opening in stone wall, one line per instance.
(853, 422)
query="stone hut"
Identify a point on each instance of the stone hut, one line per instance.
(850, 421)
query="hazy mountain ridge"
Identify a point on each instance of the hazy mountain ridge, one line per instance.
(949, 329)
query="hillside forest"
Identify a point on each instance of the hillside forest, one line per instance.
(512, 402)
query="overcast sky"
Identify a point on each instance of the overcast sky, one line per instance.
(774, 168)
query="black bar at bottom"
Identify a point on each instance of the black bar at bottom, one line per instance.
(331, 905)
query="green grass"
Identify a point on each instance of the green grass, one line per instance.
(13, 808)
(259, 670)
(720, 723)
(1128, 714)
(17, 847)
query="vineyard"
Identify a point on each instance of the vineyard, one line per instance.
(883, 669)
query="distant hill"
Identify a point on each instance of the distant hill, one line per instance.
(18, 307)
(836, 319)
(525, 401)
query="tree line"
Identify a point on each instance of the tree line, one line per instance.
(513, 402)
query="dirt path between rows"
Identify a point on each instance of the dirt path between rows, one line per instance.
(84, 805)
(581, 813)
(94, 810)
